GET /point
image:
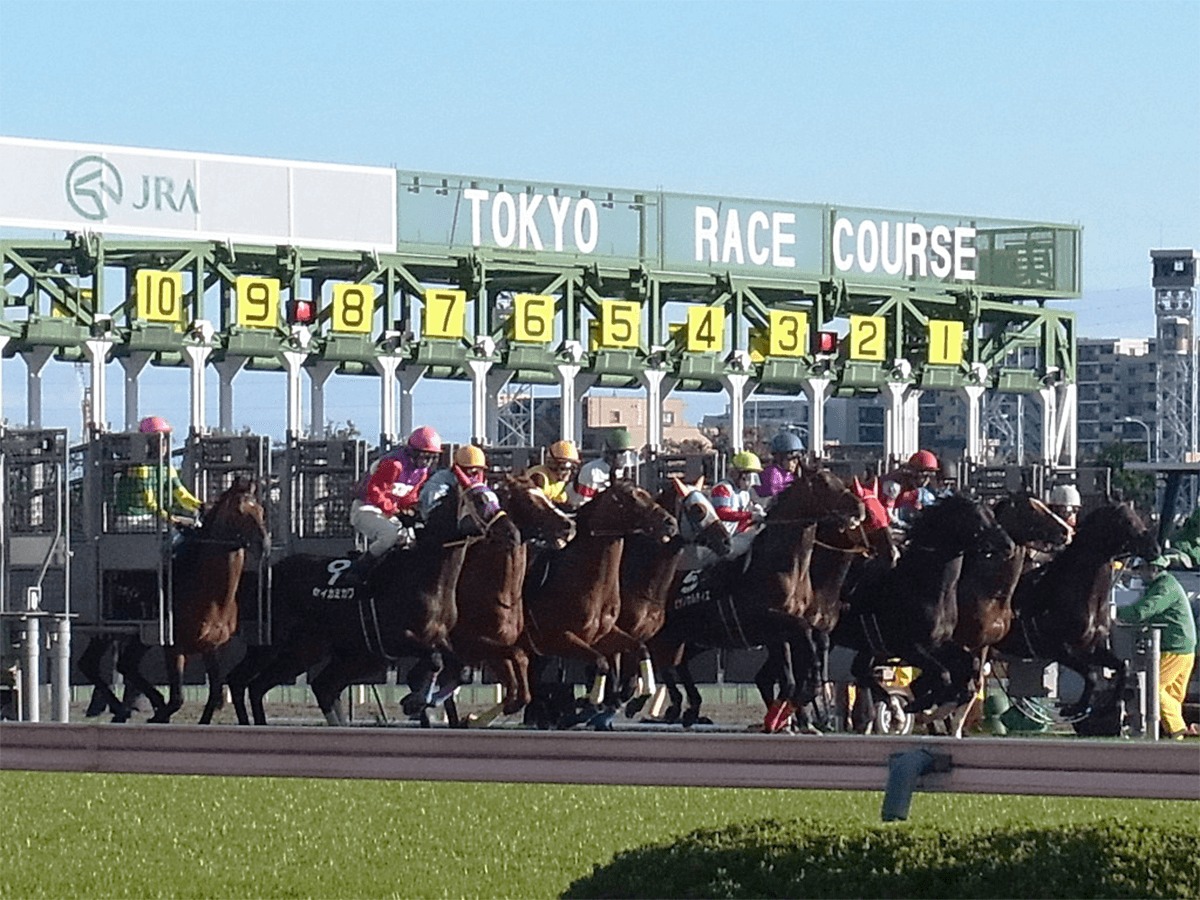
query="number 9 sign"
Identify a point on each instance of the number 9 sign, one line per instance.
(533, 318)
(257, 301)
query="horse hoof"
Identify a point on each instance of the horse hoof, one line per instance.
(671, 716)
(96, 707)
(412, 705)
(690, 718)
(634, 706)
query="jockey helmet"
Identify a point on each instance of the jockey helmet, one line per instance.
(1065, 495)
(468, 456)
(563, 451)
(787, 442)
(618, 439)
(425, 440)
(154, 425)
(745, 461)
(924, 461)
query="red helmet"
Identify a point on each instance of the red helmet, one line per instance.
(924, 460)
(425, 440)
(154, 425)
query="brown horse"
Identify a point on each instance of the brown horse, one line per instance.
(491, 612)
(1061, 608)
(205, 575)
(573, 596)
(406, 608)
(759, 599)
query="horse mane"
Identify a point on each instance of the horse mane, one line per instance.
(950, 521)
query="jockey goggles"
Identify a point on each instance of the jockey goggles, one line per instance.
(749, 479)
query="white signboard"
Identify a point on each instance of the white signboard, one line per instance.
(162, 193)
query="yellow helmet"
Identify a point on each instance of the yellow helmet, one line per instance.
(564, 451)
(468, 456)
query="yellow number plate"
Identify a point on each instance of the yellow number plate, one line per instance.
(620, 324)
(353, 308)
(533, 318)
(705, 329)
(760, 344)
(788, 333)
(945, 342)
(159, 296)
(257, 301)
(868, 338)
(445, 314)
(85, 302)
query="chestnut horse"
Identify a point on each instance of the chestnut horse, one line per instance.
(573, 596)
(405, 608)
(1061, 608)
(758, 599)
(205, 575)
(491, 611)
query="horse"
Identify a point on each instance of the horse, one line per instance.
(405, 608)
(491, 612)
(758, 599)
(205, 574)
(910, 611)
(1061, 608)
(573, 596)
(649, 569)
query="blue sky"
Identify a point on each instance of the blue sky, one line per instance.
(1068, 112)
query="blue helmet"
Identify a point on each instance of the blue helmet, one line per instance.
(786, 442)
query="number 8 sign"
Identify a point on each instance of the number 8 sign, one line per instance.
(353, 308)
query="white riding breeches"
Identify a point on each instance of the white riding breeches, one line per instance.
(381, 531)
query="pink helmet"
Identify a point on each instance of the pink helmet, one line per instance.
(154, 425)
(425, 440)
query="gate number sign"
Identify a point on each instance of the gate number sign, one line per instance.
(257, 301)
(620, 324)
(159, 296)
(353, 307)
(445, 314)
(533, 318)
(788, 333)
(705, 329)
(945, 342)
(868, 338)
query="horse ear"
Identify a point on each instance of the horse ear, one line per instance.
(680, 488)
(699, 485)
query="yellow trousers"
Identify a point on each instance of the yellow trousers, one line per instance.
(1174, 670)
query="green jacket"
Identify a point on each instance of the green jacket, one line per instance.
(1164, 603)
(1187, 539)
(146, 490)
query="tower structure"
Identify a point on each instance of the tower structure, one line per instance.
(1174, 282)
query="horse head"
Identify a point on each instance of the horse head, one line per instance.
(817, 495)
(536, 515)
(623, 509)
(478, 509)
(1117, 530)
(238, 517)
(957, 524)
(698, 520)
(1029, 521)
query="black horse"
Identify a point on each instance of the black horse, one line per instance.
(1061, 608)
(405, 609)
(910, 612)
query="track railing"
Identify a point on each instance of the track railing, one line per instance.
(1078, 767)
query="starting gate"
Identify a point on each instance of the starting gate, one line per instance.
(316, 486)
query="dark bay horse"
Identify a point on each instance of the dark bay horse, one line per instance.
(205, 575)
(759, 599)
(406, 608)
(573, 597)
(910, 611)
(1061, 608)
(491, 611)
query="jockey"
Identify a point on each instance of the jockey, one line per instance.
(469, 460)
(618, 461)
(554, 475)
(391, 495)
(146, 493)
(1065, 502)
(917, 481)
(786, 452)
(734, 504)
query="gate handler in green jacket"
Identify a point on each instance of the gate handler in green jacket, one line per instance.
(1165, 603)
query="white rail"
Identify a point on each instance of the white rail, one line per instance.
(1079, 767)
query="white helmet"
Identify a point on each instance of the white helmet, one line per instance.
(1065, 495)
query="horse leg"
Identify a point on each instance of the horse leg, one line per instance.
(287, 664)
(242, 674)
(174, 662)
(337, 675)
(959, 719)
(212, 668)
(692, 715)
(129, 663)
(768, 675)
(102, 694)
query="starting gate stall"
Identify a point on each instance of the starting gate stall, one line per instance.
(35, 576)
(508, 460)
(987, 482)
(317, 479)
(691, 467)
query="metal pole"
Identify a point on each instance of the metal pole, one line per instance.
(31, 688)
(60, 670)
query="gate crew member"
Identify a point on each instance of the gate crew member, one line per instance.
(1165, 603)
(149, 493)
(787, 450)
(618, 461)
(554, 475)
(469, 460)
(388, 501)
(732, 500)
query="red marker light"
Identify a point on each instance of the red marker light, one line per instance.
(301, 312)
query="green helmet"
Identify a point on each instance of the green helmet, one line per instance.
(745, 461)
(618, 439)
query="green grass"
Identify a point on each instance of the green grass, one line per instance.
(69, 835)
